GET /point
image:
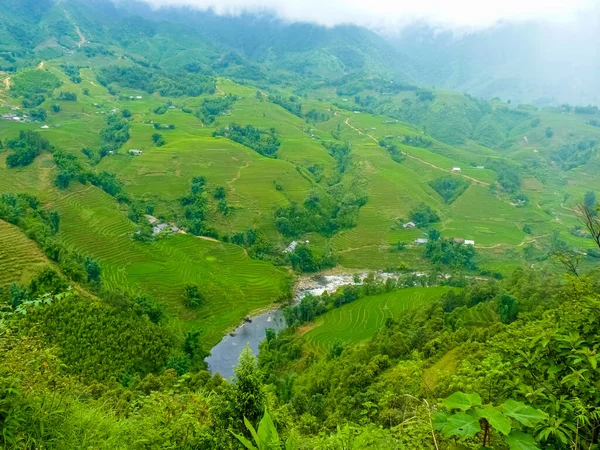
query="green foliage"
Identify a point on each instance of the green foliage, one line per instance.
(263, 142)
(570, 156)
(304, 259)
(192, 297)
(32, 82)
(72, 72)
(101, 341)
(26, 148)
(158, 139)
(213, 107)
(450, 253)
(393, 150)
(422, 215)
(508, 174)
(67, 96)
(290, 103)
(471, 420)
(173, 85)
(114, 135)
(449, 187)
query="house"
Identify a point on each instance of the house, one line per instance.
(356, 112)
(135, 152)
(459, 240)
(468, 242)
(344, 99)
(290, 248)
(45, 127)
(8, 116)
(139, 97)
(172, 107)
(456, 169)
(420, 241)
(158, 228)
(175, 229)
(409, 225)
(480, 167)
(152, 220)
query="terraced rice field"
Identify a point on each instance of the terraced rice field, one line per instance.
(359, 320)
(232, 283)
(20, 258)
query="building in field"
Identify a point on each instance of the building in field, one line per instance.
(135, 152)
(290, 248)
(469, 242)
(456, 169)
(409, 225)
(421, 241)
(459, 240)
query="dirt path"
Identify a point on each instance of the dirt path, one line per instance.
(475, 180)
(237, 177)
(41, 65)
(82, 39)
(523, 242)
(7, 83)
(219, 90)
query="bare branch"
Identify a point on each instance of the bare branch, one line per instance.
(590, 219)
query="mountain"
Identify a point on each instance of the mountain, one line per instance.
(525, 62)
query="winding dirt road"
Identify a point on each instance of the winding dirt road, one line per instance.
(475, 180)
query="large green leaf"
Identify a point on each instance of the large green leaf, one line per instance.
(462, 401)
(267, 432)
(524, 414)
(496, 419)
(245, 442)
(517, 440)
(439, 420)
(461, 425)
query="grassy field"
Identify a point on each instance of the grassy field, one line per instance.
(359, 320)
(20, 258)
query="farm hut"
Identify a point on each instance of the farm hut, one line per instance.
(409, 225)
(456, 169)
(290, 248)
(421, 241)
(459, 240)
(469, 242)
(135, 152)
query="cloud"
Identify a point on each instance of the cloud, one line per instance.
(389, 14)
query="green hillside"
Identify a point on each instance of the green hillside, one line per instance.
(170, 178)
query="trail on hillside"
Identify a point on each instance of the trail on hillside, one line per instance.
(219, 90)
(475, 180)
(7, 83)
(41, 65)
(82, 39)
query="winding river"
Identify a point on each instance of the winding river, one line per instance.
(224, 356)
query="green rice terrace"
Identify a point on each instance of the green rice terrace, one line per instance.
(361, 173)
(241, 232)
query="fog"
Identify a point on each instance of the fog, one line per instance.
(390, 15)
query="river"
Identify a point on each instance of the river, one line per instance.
(224, 356)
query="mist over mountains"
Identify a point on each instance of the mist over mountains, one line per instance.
(524, 62)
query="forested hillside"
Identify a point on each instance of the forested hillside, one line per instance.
(412, 267)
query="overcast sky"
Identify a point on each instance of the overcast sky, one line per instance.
(393, 13)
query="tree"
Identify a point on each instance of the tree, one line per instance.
(549, 133)
(192, 297)
(248, 397)
(158, 139)
(220, 193)
(590, 219)
(93, 270)
(126, 113)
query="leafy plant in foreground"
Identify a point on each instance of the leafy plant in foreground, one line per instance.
(467, 419)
